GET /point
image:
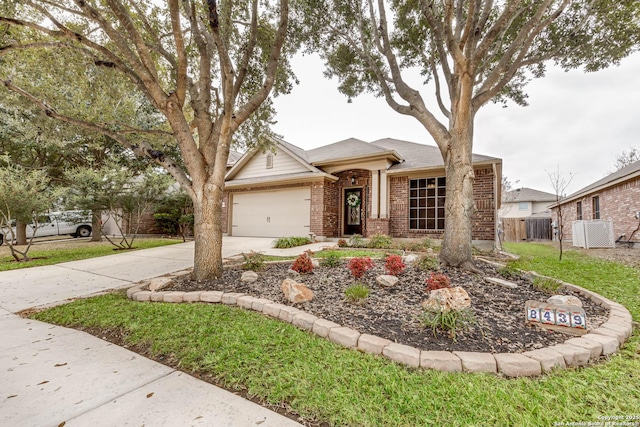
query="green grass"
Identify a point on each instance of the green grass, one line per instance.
(291, 242)
(285, 366)
(41, 257)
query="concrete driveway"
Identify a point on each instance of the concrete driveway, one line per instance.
(51, 375)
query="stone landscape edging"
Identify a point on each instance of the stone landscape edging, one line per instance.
(576, 351)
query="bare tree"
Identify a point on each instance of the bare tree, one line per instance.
(626, 158)
(559, 183)
(207, 66)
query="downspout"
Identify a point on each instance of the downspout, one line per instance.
(496, 191)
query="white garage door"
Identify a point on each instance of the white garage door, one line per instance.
(280, 213)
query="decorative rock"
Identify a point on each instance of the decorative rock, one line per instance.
(564, 300)
(447, 299)
(249, 277)
(477, 362)
(444, 361)
(211, 296)
(158, 283)
(346, 337)
(500, 282)
(548, 359)
(322, 327)
(410, 259)
(387, 281)
(315, 263)
(403, 354)
(517, 365)
(372, 344)
(296, 292)
(291, 272)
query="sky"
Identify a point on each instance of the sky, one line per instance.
(576, 123)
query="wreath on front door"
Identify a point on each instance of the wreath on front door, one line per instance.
(353, 200)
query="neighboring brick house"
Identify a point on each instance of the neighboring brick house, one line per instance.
(615, 197)
(352, 187)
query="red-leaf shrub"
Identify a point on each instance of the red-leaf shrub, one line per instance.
(359, 266)
(393, 265)
(342, 243)
(437, 281)
(303, 264)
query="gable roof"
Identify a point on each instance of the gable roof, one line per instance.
(421, 156)
(528, 195)
(351, 148)
(628, 172)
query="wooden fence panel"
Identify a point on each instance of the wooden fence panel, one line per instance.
(539, 228)
(515, 229)
(526, 229)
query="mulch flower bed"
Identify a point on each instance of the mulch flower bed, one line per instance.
(395, 313)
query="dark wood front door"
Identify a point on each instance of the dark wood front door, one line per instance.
(353, 211)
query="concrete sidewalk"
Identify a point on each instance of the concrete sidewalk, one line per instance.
(50, 375)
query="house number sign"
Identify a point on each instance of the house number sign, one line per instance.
(569, 316)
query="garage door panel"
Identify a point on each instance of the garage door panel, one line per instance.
(277, 213)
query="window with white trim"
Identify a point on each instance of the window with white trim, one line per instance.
(426, 203)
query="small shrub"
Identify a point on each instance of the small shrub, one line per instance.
(359, 266)
(253, 261)
(452, 321)
(380, 241)
(342, 243)
(393, 265)
(356, 293)
(303, 264)
(508, 272)
(428, 263)
(356, 241)
(331, 260)
(437, 281)
(291, 242)
(546, 284)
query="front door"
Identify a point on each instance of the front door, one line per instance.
(353, 211)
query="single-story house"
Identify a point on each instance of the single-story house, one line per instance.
(615, 197)
(351, 187)
(525, 202)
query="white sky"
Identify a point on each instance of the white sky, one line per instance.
(576, 122)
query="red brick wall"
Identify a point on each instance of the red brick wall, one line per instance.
(483, 193)
(618, 204)
(324, 208)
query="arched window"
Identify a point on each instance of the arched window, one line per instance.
(269, 161)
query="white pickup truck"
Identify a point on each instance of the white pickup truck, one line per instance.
(75, 223)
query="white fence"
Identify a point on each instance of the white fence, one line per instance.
(597, 233)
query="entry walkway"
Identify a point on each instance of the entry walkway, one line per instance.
(50, 375)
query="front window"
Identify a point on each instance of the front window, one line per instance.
(523, 206)
(426, 203)
(579, 211)
(595, 203)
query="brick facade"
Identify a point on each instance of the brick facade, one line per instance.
(327, 205)
(483, 193)
(618, 203)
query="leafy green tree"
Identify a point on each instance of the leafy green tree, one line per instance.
(207, 67)
(25, 194)
(466, 53)
(118, 193)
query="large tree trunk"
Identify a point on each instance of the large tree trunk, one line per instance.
(208, 229)
(459, 203)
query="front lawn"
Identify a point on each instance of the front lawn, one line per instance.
(284, 366)
(73, 251)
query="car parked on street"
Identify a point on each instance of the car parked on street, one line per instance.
(74, 223)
